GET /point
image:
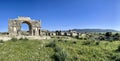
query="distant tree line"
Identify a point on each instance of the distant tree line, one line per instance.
(108, 36)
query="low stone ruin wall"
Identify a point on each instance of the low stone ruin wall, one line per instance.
(6, 38)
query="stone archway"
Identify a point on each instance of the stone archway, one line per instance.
(29, 31)
(15, 26)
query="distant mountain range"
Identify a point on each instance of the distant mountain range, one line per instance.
(95, 30)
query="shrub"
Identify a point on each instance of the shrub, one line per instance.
(60, 56)
(24, 39)
(118, 49)
(75, 58)
(21, 39)
(86, 43)
(77, 37)
(101, 38)
(84, 38)
(110, 39)
(91, 42)
(97, 43)
(51, 44)
(115, 57)
(65, 41)
(60, 40)
(1, 41)
(116, 36)
(74, 42)
(14, 39)
(57, 49)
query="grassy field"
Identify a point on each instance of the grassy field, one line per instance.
(59, 50)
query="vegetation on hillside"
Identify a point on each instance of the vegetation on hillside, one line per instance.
(108, 36)
(62, 49)
(94, 30)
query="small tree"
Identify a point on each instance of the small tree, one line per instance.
(116, 36)
(108, 36)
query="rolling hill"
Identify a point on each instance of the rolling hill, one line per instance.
(95, 30)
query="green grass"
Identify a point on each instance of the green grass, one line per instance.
(59, 50)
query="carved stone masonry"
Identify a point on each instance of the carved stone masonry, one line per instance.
(14, 26)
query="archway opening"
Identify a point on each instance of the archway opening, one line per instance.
(26, 28)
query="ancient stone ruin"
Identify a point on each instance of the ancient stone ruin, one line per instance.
(14, 27)
(34, 32)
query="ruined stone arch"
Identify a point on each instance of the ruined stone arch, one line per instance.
(14, 27)
(29, 26)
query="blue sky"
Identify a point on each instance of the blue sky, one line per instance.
(63, 14)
